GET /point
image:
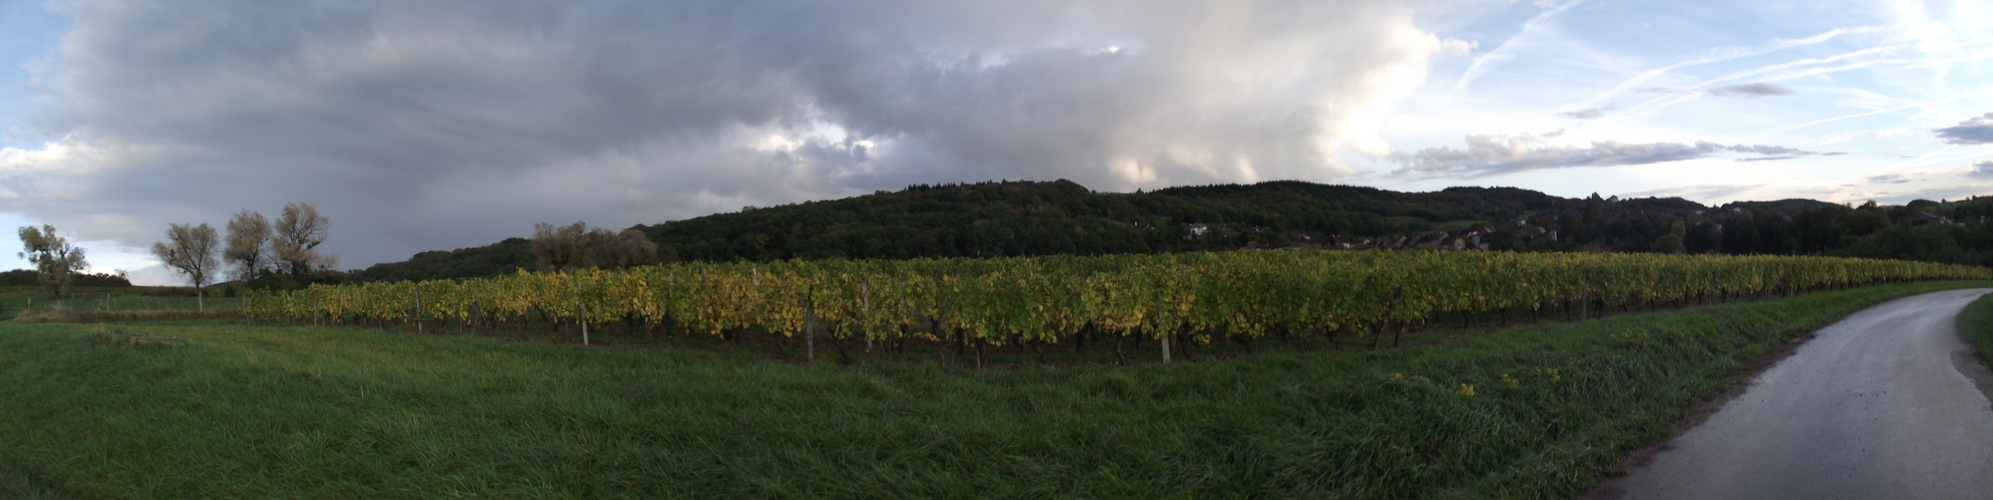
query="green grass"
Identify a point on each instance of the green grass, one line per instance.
(339, 413)
(1975, 325)
(13, 303)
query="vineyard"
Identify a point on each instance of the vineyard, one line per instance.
(1198, 297)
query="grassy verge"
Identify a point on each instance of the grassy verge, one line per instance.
(1975, 325)
(1534, 412)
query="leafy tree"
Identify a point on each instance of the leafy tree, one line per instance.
(296, 235)
(577, 246)
(1505, 239)
(1673, 242)
(1594, 209)
(190, 250)
(247, 253)
(1740, 235)
(53, 256)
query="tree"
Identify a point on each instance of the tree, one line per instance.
(558, 247)
(54, 257)
(295, 236)
(190, 250)
(1674, 241)
(630, 248)
(577, 246)
(246, 253)
(1594, 210)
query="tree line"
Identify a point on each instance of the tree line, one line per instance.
(257, 252)
(283, 254)
(1003, 219)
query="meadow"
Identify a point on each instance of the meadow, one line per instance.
(1533, 411)
(116, 304)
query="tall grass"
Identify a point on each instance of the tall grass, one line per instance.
(341, 413)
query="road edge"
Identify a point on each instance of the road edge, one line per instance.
(1968, 361)
(1975, 369)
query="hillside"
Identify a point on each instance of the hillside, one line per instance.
(995, 219)
(1027, 218)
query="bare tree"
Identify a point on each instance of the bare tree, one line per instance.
(54, 257)
(246, 253)
(295, 236)
(190, 250)
(576, 246)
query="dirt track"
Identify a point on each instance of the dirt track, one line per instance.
(1887, 403)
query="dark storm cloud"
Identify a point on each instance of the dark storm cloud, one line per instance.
(432, 125)
(1750, 90)
(1976, 130)
(1495, 154)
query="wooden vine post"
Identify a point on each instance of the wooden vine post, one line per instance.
(1385, 319)
(865, 295)
(418, 308)
(582, 306)
(810, 325)
(1166, 334)
(1395, 295)
(1584, 296)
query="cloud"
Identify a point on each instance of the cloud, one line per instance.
(1981, 169)
(1889, 179)
(429, 125)
(1914, 105)
(1494, 154)
(1589, 113)
(1976, 130)
(1537, 27)
(1707, 194)
(1752, 90)
(1779, 153)
(156, 275)
(1719, 55)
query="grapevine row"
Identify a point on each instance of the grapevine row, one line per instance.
(998, 301)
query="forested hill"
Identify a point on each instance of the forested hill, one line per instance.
(1061, 217)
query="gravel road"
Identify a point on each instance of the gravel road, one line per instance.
(1887, 403)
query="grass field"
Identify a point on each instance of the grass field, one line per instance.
(1538, 411)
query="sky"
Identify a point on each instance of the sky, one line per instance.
(433, 125)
